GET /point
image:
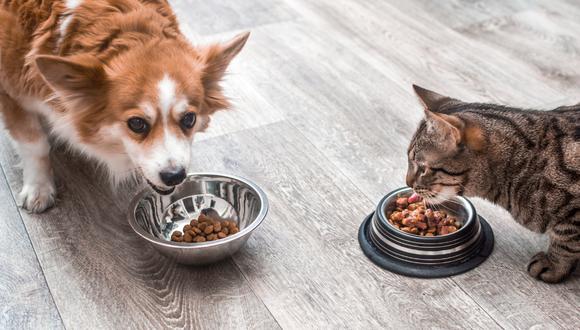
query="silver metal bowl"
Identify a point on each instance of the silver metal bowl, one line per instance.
(422, 256)
(154, 217)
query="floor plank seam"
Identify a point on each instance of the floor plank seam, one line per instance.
(255, 293)
(472, 299)
(19, 210)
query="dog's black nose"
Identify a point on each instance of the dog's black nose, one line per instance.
(172, 176)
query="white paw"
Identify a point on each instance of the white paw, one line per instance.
(37, 197)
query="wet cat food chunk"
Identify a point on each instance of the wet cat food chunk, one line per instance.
(414, 217)
(205, 228)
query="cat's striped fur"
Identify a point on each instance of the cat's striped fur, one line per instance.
(527, 161)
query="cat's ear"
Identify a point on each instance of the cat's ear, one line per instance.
(448, 127)
(456, 131)
(432, 101)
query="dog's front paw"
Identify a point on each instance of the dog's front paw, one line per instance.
(37, 198)
(543, 267)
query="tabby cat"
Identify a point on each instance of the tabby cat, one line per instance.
(524, 160)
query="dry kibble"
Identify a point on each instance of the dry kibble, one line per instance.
(203, 218)
(208, 230)
(199, 239)
(204, 228)
(212, 237)
(412, 216)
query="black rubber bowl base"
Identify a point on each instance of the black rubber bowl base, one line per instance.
(424, 271)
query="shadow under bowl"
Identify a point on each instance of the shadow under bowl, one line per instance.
(421, 256)
(155, 217)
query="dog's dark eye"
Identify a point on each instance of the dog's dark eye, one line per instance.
(188, 120)
(138, 125)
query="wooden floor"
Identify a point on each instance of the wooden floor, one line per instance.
(324, 112)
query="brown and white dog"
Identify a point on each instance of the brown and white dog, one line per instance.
(115, 79)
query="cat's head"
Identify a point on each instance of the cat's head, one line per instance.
(444, 150)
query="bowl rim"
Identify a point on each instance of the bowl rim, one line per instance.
(189, 246)
(381, 209)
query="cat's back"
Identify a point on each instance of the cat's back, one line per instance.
(550, 137)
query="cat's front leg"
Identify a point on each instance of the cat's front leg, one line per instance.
(562, 256)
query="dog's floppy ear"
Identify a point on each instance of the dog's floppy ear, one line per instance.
(216, 59)
(83, 75)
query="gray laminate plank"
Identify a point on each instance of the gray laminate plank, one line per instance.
(25, 300)
(198, 17)
(102, 275)
(410, 46)
(547, 40)
(459, 13)
(304, 261)
(364, 131)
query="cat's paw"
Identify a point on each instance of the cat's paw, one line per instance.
(37, 198)
(542, 267)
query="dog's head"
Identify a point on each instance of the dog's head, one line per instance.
(139, 111)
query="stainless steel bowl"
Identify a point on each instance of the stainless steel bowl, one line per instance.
(422, 256)
(154, 217)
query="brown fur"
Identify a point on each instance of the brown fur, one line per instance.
(107, 62)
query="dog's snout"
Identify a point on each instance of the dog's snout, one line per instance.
(172, 176)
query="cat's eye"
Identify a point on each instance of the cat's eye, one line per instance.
(138, 125)
(188, 120)
(421, 169)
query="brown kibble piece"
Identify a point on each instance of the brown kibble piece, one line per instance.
(199, 239)
(196, 230)
(187, 238)
(217, 227)
(194, 223)
(208, 230)
(202, 226)
(221, 235)
(186, 228)
(225, 223)
(203, 218)
(212, 237)
(225, 230)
